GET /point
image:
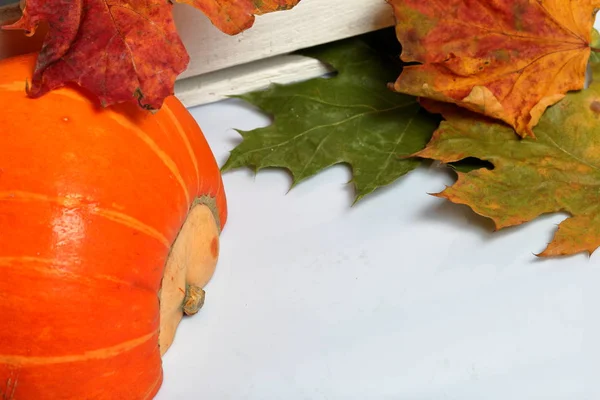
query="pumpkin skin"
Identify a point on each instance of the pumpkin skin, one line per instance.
(91, 201)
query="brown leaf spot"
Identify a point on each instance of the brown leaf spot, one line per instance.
(412, 36)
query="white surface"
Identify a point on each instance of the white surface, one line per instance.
(404, 296)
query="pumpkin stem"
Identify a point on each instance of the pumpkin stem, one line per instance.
(193, 300)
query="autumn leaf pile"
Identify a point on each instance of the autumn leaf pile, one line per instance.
(495, 89)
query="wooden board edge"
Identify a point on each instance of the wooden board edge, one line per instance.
(9, 13)
(257, 75)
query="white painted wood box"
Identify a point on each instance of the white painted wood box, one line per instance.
(222, 65)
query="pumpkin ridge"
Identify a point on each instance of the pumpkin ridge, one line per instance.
(19, 195)
(132, 223)
(154, 387)
(160, 153)
(16, 261)
(98, 354)
(185, 139)
(111, 215)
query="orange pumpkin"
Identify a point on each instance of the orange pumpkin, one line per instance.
(109, 229)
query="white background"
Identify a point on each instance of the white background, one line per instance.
(403, 296)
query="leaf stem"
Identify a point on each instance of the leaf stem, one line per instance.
(595, 49)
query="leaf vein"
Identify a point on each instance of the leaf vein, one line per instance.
(317, 127)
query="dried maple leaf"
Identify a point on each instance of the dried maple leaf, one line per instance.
(119, 50)
(507, 59)
(557, 171)
(235, 16)
(122, 50)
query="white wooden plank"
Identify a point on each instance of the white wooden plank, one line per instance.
(214, 86)
(222, 65)
(310, 23)
(9, 12)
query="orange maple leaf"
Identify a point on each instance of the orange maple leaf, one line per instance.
(235, 16)
(507, 59)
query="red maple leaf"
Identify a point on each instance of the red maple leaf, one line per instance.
(122, 50)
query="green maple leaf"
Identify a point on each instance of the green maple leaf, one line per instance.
(350, 118)
(558, 171)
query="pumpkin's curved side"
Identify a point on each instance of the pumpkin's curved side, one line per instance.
(207, 165)
(90, 202)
